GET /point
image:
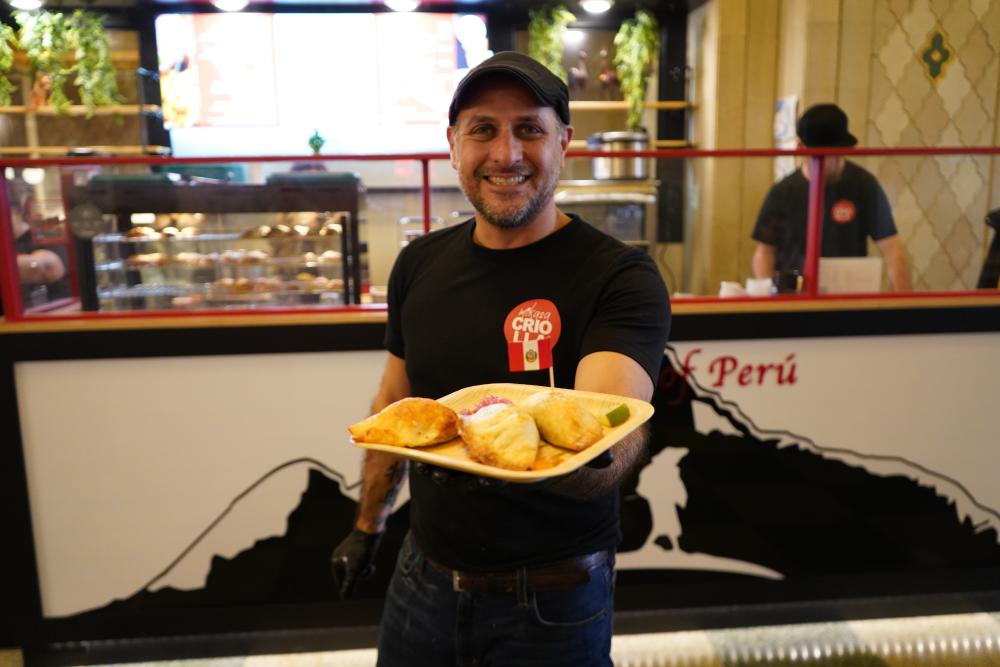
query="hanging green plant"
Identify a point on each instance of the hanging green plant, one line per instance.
(546, 28)
(8, 40)
(95, 77)
(61, 49)
(637, 44)
(45, 39)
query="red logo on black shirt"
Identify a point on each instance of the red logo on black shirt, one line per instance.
(538, 318)
(843, 211)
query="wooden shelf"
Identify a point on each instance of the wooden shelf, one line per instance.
(81, 110)
(619, 105)
(65, 150)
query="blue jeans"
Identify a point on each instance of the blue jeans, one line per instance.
(427, 623)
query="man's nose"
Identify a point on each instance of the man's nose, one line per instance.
(507, 149)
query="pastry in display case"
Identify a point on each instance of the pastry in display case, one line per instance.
(236, 245)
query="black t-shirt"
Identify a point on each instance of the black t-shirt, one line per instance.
(855, 208)
(452, 307)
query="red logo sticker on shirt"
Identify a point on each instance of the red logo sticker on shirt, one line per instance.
(843, 211)
(531, 320)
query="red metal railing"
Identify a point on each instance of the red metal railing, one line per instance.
(9, 282)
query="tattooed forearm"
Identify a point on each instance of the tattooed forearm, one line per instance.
(383, 480)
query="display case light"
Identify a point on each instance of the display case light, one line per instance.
(142, 218)
(402, 5)
(33, 175)
(595, 6)
(26, 5)
(230, 5)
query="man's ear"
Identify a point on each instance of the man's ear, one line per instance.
(564, 140)
(451, 147)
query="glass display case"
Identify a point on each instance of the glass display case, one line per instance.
(167, 261)
(147, 242)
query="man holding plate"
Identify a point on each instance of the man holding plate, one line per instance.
(493, 572)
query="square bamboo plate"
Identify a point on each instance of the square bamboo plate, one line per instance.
(452, 454)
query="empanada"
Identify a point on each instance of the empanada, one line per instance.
(410, 422)
(500, 435)
(563, 420)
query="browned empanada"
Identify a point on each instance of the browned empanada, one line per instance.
(562, 420)
(500, 435)
(410, 422)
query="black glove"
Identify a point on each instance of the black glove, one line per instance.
(354, 559)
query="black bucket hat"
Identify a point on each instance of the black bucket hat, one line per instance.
(824, 125)
(544, 85)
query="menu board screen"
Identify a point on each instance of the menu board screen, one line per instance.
(368, 83)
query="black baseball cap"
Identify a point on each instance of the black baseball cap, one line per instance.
(544, 85)
(824, 125)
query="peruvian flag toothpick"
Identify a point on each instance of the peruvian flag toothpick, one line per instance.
(531, 355)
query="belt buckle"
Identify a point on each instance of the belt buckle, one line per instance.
(456, 581)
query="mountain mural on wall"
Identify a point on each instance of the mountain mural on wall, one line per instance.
(757, 504)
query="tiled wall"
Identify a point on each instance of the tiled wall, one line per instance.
(939, 203)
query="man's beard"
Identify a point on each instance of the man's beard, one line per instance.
(504, 219)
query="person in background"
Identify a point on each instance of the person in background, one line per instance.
(494, 573)
(37, 266)
(855, 207)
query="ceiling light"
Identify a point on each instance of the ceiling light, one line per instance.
(230, 5)
(26, 5)
(595, 6)
(402, 5)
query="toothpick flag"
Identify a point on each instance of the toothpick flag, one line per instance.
(530, 355)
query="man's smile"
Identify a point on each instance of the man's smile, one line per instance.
(506, 180)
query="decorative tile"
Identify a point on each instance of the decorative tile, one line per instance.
(931, 120)
(943, 213)
(976, 212)
(953, 87)
(969, 274)
(971, 119)
(907, 213)
(976, 54)
(980, 8)
(957, 23)
(881, 88)
(940, 274)
(936, 54)
(889, 176)
(950, 136)
(883, 21)
(911, 136)
(948, 164)
(917, 23)
(927, 183)
(961, 245)
(899, 8)
(891, 120)
(895, 54)
(940, 7)
(913, 85)
(987, 87)
(909, 166)
(922, 246)
(991, 24)
(966, 183)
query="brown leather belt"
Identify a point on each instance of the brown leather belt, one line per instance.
(556, 576)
